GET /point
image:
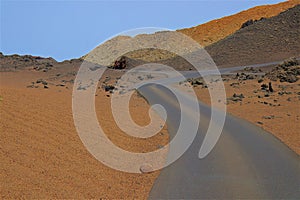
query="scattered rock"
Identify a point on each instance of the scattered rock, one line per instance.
(252, 69)
(235, 97)
(270, 87)
(239, 96)
(244, 77)
(146, 168)
(120, 63)
(251, 21)
(264, 87)
(108, 88)
(80, 87)
(149, 76)
(45, 67)
(268, 117)
(260, 80)
(195, 82)
(290, 78)
(286, 71)
(234, 84)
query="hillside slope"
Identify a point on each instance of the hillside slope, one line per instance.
(267, 40)
(218, 29)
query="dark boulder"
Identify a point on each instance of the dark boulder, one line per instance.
(108, 88)
(120, 63)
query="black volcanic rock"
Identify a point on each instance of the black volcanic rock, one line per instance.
(250, 22)
(287, 71)
(16, 62)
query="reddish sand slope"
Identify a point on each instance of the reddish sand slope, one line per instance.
(41, 154)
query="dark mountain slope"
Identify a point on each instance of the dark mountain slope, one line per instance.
(266, 40)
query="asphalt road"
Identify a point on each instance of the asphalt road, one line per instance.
(247, 162)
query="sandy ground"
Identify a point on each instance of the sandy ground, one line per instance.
(41, 153)
(277, 114)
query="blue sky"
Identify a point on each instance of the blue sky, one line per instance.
(70, 29)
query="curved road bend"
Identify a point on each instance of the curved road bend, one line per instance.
(247, 162)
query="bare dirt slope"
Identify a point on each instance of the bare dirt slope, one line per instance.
(267, 40)
(218, 29)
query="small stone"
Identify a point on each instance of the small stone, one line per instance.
(269, 117)
(270, 87)
(109, 88)
(146, 168)
(264, 87)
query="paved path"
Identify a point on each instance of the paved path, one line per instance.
(247, 162)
